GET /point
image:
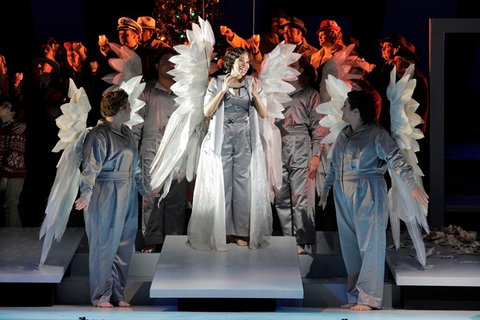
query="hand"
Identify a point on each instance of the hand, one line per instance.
(94, 66)
(323, 199)
(420, 195)
(81, 203)
(103, 44)
(226, 83)
(19, 128)
(312, 166)
(255, 86)
(16, 79)
(226, 31)
(254, 44)
(153, 194)
(3, 183)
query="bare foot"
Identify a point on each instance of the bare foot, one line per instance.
(104, 305)
(348, 305)
(123, 304)
(240, 242)
(361, 307)
(301, 249)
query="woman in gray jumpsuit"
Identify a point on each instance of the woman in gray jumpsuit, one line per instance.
(109, 184)
(360, 157)
(235, 100)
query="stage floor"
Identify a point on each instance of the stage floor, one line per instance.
(239, 272)
(20, 250)
(447, 268)
(171, 313)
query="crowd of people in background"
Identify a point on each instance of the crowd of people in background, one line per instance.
(30, 103)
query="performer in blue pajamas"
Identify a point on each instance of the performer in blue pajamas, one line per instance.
(360, 157)
(110, 182)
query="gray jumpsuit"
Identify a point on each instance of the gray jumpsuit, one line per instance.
(168, 217)
(110, 180)
(301, 135)
(236, 157)
(359, 162)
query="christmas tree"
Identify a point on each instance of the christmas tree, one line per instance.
(174, 17)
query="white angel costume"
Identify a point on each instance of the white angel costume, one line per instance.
(231, 192)
(233, 187)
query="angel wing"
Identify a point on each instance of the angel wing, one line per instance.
(337, 90)
(178, 152)
(134, 88)
(403, 123)
(72, 125)
(273, 72)
(126, 66)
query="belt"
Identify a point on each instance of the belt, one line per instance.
(236, 121)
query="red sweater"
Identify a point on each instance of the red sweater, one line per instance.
(12, 152)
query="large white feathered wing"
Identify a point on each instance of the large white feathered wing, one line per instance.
(178, 153)
(338, 90)
(403, 123)
(72, 125)
(127, 66)
(273, 72)
(134, 88)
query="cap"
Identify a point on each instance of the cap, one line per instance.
(395, 39)
(127, 23)
(328, 25)
(147, 23)
(296, 23)
(408, 52)
(53, 63)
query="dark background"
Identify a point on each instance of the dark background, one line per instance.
(25, 22)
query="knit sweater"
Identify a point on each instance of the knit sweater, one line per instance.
(12, 152)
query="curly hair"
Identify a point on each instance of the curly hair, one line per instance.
(112, 102)
(336, 38)
(362, 101)
(231, 56)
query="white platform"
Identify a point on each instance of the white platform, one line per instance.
(460, 271)
(271, 273)
(20, 250)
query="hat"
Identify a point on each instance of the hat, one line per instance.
(296, 23)
(328, 25)
(280, 14)
(53, 63)
(408, 52)
(395, 39)
(127, 23)
(147, 23)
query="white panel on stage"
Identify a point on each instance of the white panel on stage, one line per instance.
(457, 271)
(271, 273)
(20, 250)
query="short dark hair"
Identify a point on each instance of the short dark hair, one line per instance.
(112, 102)
(163, 51)
(231, 56)
(362, 101)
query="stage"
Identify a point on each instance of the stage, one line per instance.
(266, 280)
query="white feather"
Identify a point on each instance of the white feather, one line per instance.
(72, 125)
